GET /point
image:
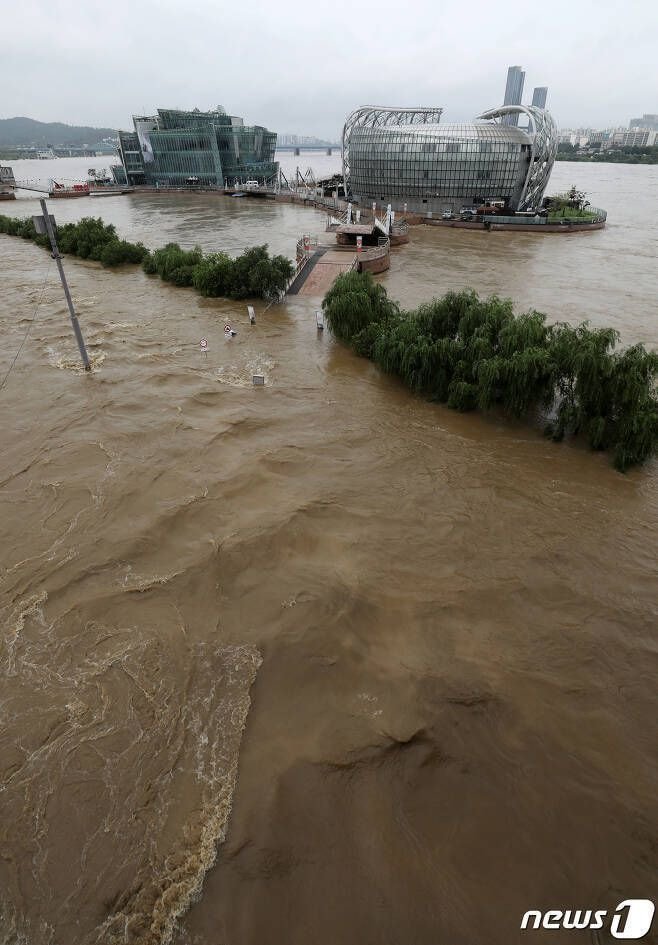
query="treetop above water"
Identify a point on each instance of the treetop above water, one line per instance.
(254, 274)
(473, 353)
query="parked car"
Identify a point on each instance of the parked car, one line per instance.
(468, 213)
(447, 215)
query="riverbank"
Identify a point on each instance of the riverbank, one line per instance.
(638, 156)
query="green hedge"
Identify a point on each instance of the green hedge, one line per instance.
(253, 274)
(90, 238)
(473, 353)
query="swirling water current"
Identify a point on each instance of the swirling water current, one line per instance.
(412, 654)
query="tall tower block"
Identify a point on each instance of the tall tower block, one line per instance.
(513, 92)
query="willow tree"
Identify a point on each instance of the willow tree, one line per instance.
(356, 303)
(476, 353)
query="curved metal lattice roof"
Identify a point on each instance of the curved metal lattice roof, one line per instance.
(543, 131)
(541, 135)
(384, 116)
(456, 132)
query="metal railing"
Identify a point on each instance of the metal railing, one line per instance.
(306, 246)
(304, 243)
(382, 248)
(298, 269)
(333, 221)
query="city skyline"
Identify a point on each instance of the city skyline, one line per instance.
(271, 76)
(648, 122)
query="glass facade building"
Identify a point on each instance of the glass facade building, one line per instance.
(176, 148)
(513, 92)
(431, 166)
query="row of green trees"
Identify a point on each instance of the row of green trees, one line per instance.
(628, 154)
(254, 274)
(90, 238)
(473, 353)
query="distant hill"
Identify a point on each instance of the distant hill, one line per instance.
(25, 133)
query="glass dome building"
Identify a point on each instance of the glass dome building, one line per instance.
(406, 156)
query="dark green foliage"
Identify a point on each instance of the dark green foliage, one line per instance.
(244, 268)
(174, 264)
(148, 264)
(214, 275)
(90, 238)
(254, 274)
(86, 239)
(272, 276)
(627, 154)
(15, 227)
(470, 353)
(357, 307)
(8, 225)
(462, 396)
(119, 252)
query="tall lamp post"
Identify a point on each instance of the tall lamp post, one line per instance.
(45, 225)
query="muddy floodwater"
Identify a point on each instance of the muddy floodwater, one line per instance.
(315, 663)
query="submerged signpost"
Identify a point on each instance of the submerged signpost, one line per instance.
(46, 225)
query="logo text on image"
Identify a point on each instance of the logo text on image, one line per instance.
(631, 919)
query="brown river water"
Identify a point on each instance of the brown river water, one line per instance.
(391, 669)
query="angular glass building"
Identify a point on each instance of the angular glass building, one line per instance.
(176, 148)
(406, 156)
(513, 92)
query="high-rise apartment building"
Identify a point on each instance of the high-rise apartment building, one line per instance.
(648, 122)
(513, 92)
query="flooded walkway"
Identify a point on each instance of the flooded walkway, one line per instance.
(326, 269)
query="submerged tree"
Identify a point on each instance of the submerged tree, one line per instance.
(89, 238)
(253, 274)
(356, 304)
(476, 353)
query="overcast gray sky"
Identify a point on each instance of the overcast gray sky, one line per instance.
(300, 67)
